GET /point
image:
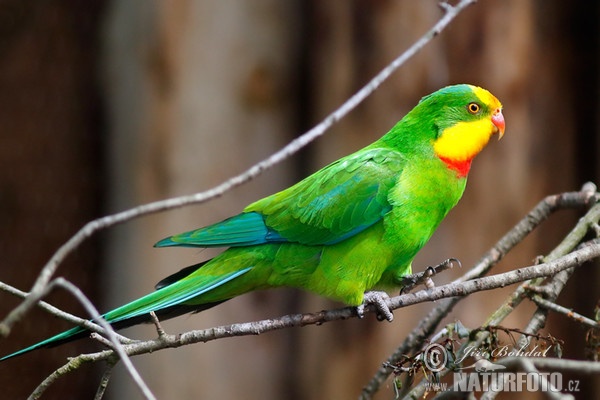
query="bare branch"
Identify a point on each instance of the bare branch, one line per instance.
(50, 309)
(455, 291)
(565, 311)
(570, 260)
(558, 282)
(584, 198)
(297, 320)
(101, 339)
(424, 277)
(427, 326)
(105, 379)
(532, 364)
(156, 322)
(71, 366)
(554, 286)
(554, 364)
(116, 345)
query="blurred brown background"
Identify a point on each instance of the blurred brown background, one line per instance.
(105, 105)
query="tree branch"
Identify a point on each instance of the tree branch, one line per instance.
(298, 320)
(554, 286)
(586, 197)
(57, 312)
(554, 364)
(110, 333)
(557, 308)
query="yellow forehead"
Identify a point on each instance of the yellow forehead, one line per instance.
(486, 97)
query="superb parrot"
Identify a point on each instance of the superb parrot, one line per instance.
(351, 227)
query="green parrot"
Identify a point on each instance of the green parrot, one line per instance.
(350, 228)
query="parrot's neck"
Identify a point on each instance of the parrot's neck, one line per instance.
(461, 142)
(461, 167)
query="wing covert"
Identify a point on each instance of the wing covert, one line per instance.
(331, 205)
(336, 202)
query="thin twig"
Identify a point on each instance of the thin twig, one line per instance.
(565, 311)
(583, 198)
(453, 289)
(57, 312)
(71, 366)
(555, 364)
(102, 340)
(409, 282)
(110, 333)
(554, 287)
(105, 379)
(156, 322)
(533, 364)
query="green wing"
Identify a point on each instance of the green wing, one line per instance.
(335, 203)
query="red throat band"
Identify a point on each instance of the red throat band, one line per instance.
(461, 167)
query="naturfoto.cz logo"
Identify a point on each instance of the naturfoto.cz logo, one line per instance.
(485, 376)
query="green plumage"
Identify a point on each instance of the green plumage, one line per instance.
(353, 226)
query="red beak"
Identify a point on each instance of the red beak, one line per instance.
(498, 121)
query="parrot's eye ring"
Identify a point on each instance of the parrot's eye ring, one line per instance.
(473, 108)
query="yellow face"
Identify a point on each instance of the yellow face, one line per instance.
(464, 140)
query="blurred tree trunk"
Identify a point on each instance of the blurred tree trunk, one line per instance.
(50, 172)
(198, 91)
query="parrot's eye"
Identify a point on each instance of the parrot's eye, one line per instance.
(473, 108)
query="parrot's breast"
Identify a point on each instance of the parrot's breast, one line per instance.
(424, 194)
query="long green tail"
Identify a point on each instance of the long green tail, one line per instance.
(167, 302)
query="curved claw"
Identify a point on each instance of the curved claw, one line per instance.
(379, 300)
(453, 260)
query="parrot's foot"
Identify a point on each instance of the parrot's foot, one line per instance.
(410, 281)
(379, 300)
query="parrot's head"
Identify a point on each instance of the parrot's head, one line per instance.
(463, 119)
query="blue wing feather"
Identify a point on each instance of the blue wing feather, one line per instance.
(245, 229)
